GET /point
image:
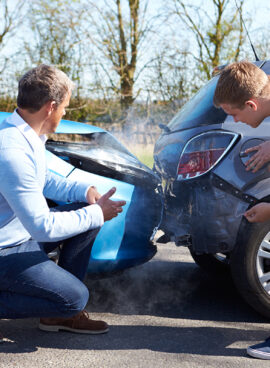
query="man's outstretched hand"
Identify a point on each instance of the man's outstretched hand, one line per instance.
(110, 208)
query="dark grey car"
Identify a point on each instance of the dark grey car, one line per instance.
(207, 189)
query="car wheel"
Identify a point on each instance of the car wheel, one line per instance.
(212, 263)
(250, 265)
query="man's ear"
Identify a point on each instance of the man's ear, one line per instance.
(252, 104)
(50, 107)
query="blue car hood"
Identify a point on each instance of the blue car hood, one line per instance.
(66, 126)
(98, 152)
(73, 127)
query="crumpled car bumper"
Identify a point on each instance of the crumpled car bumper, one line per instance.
(202, 215)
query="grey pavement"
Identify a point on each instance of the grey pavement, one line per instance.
(166, 313)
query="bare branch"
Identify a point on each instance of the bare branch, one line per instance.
(216, 38)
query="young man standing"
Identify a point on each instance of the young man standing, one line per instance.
(30, 284)
(243, 91)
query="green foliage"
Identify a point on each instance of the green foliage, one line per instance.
(7, 104)
(94, 111)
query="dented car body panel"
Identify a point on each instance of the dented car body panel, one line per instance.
(205, 211)
(97, 158)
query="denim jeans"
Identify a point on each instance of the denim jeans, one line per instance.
(31, 285)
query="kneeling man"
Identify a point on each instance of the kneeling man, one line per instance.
(31, 285)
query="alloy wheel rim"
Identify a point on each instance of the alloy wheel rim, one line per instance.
(263, 263)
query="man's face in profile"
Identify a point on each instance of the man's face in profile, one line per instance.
(248, 114)
(56, 115)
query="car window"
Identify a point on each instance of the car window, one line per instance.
(199, 110)
(265, 67)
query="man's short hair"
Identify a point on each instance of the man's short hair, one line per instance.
(240, 81)
(42, 84)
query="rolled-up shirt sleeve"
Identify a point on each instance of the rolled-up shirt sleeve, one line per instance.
(24, 193)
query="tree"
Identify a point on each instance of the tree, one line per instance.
(118, 36)
(169, 76)
(10, 20)
(217, 32)
(56, 36)
(11, 15)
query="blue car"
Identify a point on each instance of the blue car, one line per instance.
(85, 152)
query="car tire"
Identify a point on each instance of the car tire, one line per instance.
(250, 265)
(217, 264)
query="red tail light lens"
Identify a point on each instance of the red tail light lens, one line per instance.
(196, 163)
(203, 152)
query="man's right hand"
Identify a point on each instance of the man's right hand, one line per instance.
(110, 208)
(261, 157)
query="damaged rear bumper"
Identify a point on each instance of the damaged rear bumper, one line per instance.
(205, 214)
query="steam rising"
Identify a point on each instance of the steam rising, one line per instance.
(155, 287)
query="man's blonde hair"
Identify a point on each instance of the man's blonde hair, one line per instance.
(240, 81)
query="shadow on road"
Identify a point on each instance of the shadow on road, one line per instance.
(213, 341)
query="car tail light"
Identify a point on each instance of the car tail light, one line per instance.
(203, 152)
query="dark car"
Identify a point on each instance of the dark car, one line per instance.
(200, 158)
(85, 152)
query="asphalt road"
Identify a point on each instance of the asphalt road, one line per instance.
(166, 313)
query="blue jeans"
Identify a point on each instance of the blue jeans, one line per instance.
(31, 285)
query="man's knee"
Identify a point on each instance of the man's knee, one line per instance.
(76, 301)
(78, 298)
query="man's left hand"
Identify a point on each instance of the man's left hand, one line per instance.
(258, 213)
(92, 195)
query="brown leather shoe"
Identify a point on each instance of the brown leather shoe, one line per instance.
(81, 323)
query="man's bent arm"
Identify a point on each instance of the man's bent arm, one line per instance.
(23, 192)
(63, 189)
